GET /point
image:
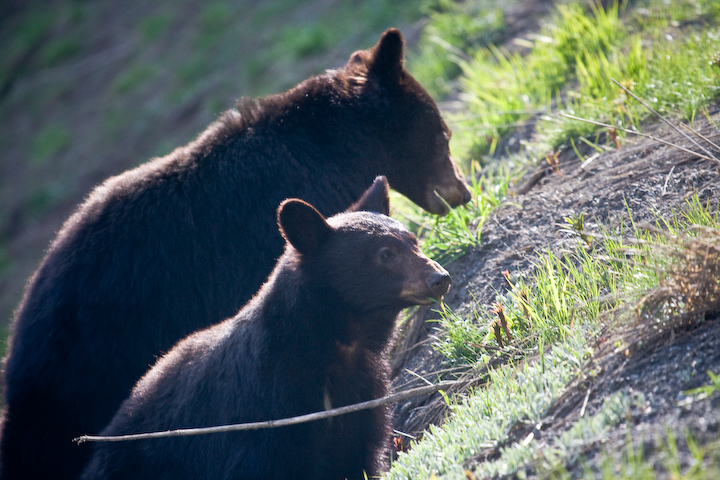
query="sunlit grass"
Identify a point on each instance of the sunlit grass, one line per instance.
(446, 238)
(602, 271)
(568, 66)
(481, 421)
(455, 30)
(501, 88)
(630, 463)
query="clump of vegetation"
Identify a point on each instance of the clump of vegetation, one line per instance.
(633, 464)
(455, 31)
(568, 66)
(448, 237)
(575, 287)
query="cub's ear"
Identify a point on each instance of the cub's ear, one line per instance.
(302, 225)
(387, 56)
(375, 199)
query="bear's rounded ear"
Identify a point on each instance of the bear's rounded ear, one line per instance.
(387, 59)
(302, 225)
(375, 199)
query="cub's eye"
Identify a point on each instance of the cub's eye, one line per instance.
(386, 254)
(443, 139)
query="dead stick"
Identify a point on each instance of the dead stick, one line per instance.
(182, 432)
(688, 127)
(634, 132)
(668, 122)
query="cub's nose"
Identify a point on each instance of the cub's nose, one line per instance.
(439, 283)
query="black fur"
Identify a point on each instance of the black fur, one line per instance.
(314, 337)
(183, 242)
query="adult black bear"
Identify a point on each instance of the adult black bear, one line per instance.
(183, 241)
(315, 336)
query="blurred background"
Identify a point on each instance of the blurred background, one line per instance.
(89, 89)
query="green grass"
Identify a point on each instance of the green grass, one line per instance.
(598, 275)
(153, 27)
(134, 77)
(300, 41)
(676, 77)
(454, 32)
(60, 49)
(38, 202)
(215, 18)
(547, 461)
(513, 395)
(502, 88)
(22, 41)
(5, 259)
(568, 66)
(332, 26)
(706, 390)
(632, 464)
(449, 237)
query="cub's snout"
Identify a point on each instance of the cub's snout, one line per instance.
(439, 283)
(429, 284)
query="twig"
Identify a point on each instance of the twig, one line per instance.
(397, 397)
(688, 127)
(668, 122)
(634, 132)
(587, 396)
(664, 189)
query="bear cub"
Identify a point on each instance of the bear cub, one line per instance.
(314, 337)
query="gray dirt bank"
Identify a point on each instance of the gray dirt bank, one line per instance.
(652, 179)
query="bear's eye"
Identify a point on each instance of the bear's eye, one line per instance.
(442, 141)
(386, 254)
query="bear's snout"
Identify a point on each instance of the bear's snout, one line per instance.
(449, 190)
(439, 283)
(428, 284)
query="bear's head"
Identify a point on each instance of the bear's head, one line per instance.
(361, 256)
(412, 129)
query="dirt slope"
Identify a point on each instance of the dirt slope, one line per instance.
(652, 179)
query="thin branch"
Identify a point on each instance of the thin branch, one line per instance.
(664, 189)
(634, 132)
(394, 398)
(688, 127)
(668, 122)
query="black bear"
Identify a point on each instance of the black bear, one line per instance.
(183, 241)
(314, 337)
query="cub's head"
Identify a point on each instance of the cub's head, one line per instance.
(412, 129)
(361, 256)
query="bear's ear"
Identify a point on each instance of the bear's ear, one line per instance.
(302, 225)
(387, 58)
(375, 199)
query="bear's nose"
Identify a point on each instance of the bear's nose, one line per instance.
(439, 283)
